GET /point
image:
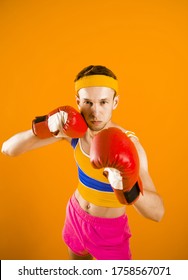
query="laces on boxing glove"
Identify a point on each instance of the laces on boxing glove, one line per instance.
(114, 177)
(115, 180)
(56, 123)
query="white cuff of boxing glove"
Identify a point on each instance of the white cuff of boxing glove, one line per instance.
(114, 178)
(56, 123)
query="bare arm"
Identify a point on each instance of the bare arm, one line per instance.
(150, 205)
(25, 141)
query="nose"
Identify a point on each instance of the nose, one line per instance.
(95, 110)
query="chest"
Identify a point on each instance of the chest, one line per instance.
(85, 146)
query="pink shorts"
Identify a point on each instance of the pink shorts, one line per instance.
(103, 238)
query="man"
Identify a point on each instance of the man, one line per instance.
(112, 168)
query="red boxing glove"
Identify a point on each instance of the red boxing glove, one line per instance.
(61, 121)
(113, 150)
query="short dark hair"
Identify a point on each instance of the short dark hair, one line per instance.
(95, 70)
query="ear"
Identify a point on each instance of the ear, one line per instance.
(115, 102)
(78, 101)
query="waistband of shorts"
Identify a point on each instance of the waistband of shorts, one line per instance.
(94, 219)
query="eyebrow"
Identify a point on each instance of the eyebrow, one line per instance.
(102, 99)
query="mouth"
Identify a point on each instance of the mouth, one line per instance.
(96, 122)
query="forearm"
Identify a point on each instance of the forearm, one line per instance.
(150, 205)
(23, 142)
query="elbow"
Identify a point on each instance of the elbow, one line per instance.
(159, 214)
(158, 217)
(6, 150)
(161, 211)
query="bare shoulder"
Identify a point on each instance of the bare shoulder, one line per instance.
(141, 153)
(131, 134)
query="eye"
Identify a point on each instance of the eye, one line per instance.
(88, 102)
(103, 102)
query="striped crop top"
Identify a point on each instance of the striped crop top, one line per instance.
(93, 185)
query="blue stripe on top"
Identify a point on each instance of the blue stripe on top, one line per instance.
(74, 142)
(88, 181)
(92, 183)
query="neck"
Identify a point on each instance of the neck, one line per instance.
(91, 133)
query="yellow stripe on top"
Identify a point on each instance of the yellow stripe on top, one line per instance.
(104, 199)
(93, 185)
(131, 134)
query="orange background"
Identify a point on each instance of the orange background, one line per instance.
(43, 45)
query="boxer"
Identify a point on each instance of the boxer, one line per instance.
(112, 168)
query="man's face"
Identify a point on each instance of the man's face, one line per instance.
(96, 104)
